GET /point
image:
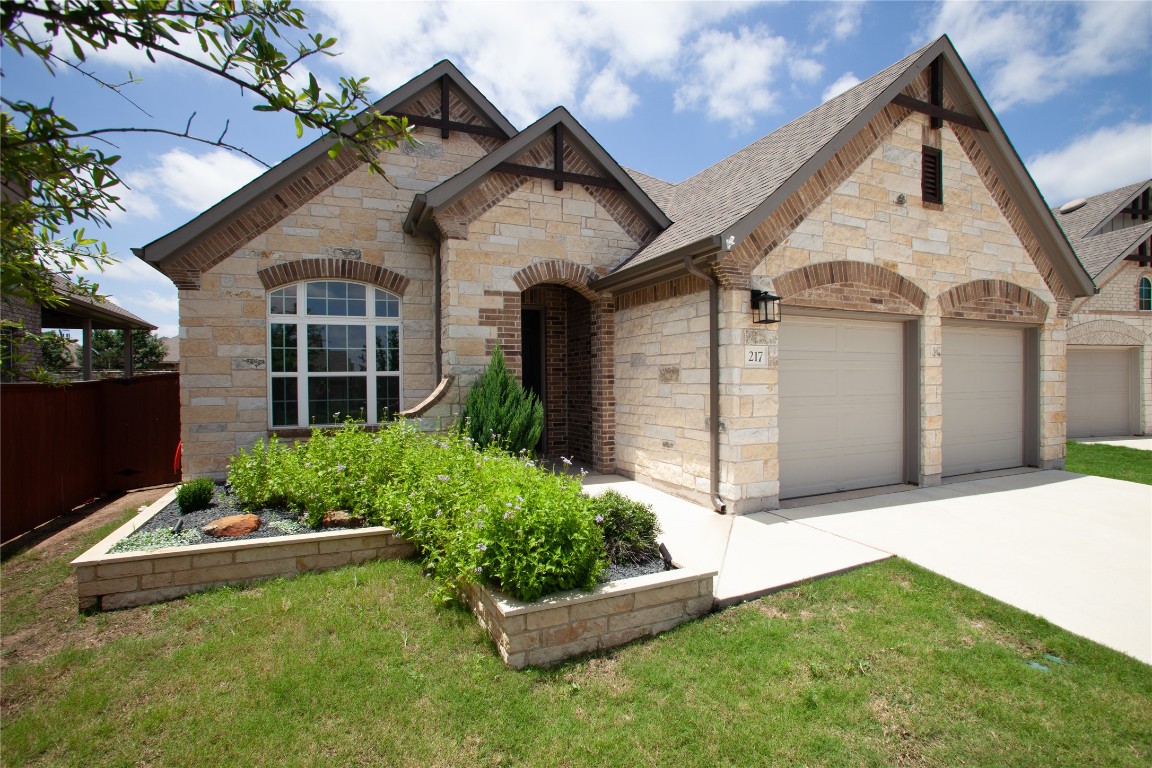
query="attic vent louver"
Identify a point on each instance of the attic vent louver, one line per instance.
(932, 175)
(1073, 205)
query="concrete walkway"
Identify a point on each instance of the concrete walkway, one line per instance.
(1127, 441)
(1076, 550)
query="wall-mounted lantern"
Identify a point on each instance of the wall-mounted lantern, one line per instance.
(765, 307)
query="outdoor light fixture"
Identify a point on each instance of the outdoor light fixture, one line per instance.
(765, 307)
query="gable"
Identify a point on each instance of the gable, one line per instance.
(185, 253)
(774, 177)
(555, 149)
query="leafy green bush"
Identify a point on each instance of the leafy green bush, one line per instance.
(630, 528)
(195, 495)
(473, 514)
(499, 410)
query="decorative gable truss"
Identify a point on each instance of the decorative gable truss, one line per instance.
(555, 148)
(440, 98)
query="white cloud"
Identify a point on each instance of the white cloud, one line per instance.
(735, 74)
(529, 57)
(608, 97)
(839, 86)
(1097, 162)
(805, 70)
(842, 20)
(186, 181)
(1030, 52)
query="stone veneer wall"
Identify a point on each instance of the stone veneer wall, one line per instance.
(855, 248)
(568, 624)
(358, 219)
(533, 236)
(1112, 318)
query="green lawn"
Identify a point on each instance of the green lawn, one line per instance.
(887, 665)
(1113, 461)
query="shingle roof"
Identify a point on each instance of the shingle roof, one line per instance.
(104, 314)
(659, 190)
(716, 198)
(1097, 252)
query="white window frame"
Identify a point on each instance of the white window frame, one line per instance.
(301, 319)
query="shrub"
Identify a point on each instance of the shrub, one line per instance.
(498, 409)
(473, 514)
(630, 528)
(195, 495)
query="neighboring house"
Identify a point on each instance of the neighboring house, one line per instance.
(1110, 334)
(77, 312)
(926, 290)
(172, 358)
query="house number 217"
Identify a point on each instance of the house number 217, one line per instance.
(755, 356)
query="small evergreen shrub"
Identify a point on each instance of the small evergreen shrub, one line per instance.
(630, 528)
(195, 495)
(499, 410)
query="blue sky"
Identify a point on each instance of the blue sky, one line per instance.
(667, 89)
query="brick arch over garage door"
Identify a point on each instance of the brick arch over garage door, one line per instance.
(1106, 333)
(336, 269)
(851, 285)
(993, 300)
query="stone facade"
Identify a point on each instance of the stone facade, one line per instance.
(1112, 318)
(858, 248)
(353, 229)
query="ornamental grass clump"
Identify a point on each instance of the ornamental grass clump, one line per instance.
(499, 410)
(473, 514)
(195, 495)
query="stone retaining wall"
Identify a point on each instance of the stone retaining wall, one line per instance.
(571, 623)
(109, 581)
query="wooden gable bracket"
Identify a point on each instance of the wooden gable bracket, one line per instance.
(445, 125)
(1143, 254)
(935, 107)
(557, 173)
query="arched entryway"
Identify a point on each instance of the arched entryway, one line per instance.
(557, 358)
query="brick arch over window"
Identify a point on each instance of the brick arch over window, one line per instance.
(993, 300)
(563, 273)
(339, 269)
(1106, 333)
(851, 285)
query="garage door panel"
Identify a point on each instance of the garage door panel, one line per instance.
(841, 405)
(1100, 389)
(983, 399)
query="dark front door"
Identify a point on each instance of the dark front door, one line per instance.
(532, 356)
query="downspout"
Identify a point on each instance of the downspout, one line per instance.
(437, 344)
(713, 380)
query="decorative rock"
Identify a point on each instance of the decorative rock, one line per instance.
(232, 526)
(340, 518)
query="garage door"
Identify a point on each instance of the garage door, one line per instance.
(841, 405)
(983, 399)
(1099, 392)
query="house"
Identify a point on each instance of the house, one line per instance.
(1110, 334)
(75, 311)
(925, 291)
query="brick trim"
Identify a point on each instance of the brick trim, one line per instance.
(851, 285)
(669, 289)
(342, 269)
(563, 273)
(1106, 333)
(1015, 218)
(993, 300)
(735, 270)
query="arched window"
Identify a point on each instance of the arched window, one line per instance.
(1145, 304)
(334, 354)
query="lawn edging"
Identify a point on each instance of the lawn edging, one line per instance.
(566, 624)
(110, 581)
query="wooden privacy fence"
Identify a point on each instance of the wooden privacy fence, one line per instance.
(63, 446)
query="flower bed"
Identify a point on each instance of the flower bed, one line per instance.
(107, 581)
(524, 547)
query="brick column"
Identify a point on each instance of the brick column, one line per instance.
(931, 397)
(1053, 394)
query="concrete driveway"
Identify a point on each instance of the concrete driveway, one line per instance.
(1076, 550)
